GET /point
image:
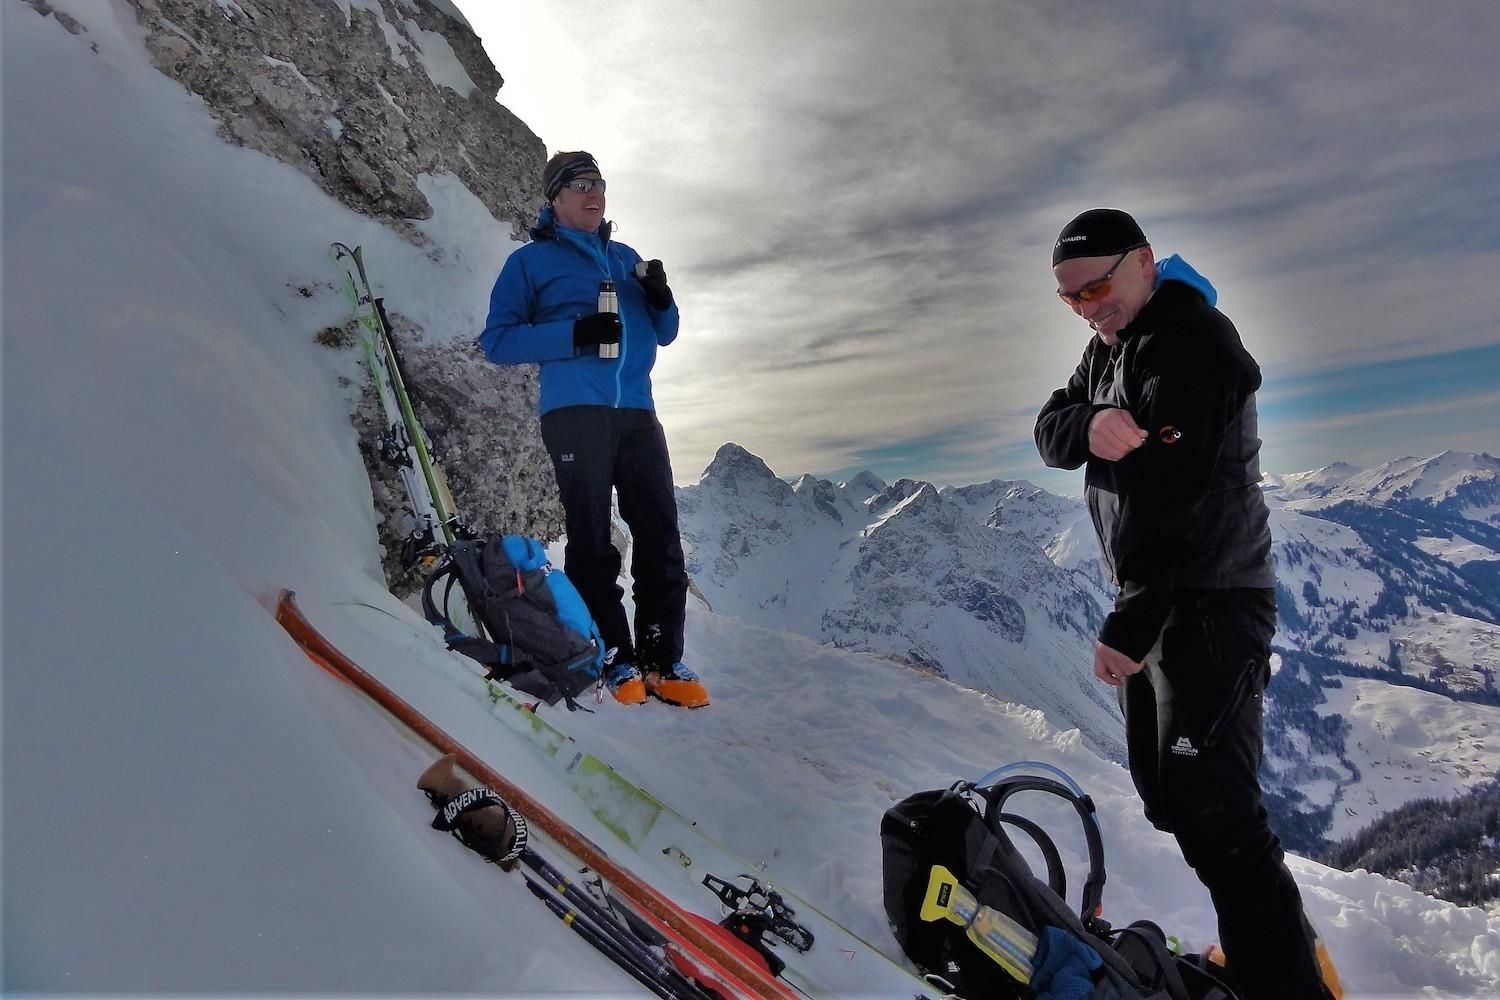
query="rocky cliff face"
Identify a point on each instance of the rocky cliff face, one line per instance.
(360, 95)
(483, 425)
(365, 96)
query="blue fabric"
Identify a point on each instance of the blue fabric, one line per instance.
(1174, 268)
(524, 553)
(575, 614)
(588, 244)
(528, 554)
(1062, 964)
(548, 284)
(621, 673)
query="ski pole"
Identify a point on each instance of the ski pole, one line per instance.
(609, 923)
(600, 942)
(596, 913)
(586, 905)
(448, 790)
(737, 973)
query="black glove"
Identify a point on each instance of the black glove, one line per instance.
(600, 328)
(653, 279)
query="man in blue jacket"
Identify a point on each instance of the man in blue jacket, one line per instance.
(1161, 410)
(598, 419)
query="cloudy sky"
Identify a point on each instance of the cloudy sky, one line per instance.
(856, 203)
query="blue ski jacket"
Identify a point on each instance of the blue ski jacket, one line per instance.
(554, 280)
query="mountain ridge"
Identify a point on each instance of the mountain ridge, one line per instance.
(1384, 577)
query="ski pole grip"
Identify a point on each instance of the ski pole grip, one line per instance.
(443, 778)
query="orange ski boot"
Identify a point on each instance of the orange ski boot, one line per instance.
(677, 685)
(624, 682)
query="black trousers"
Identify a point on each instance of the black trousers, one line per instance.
(596, 449)
(1193, 722)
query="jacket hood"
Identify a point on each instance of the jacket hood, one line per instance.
(1174, 268)
(546, 222)
(546, 225)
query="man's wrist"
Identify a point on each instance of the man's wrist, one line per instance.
(1124, 636)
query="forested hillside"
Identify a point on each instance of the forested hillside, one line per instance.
(1449, 849)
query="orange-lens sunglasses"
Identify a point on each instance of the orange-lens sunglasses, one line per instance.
(1096, 289)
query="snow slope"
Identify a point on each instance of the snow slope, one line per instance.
(190, 807)
(1407, 745)
(905, 572)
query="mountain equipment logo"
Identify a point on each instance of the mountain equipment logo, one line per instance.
(1184, 747)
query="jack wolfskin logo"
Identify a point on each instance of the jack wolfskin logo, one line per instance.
(566, 456)
(1184, 747)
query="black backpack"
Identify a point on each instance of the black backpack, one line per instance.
(963, 829)
(541, 637)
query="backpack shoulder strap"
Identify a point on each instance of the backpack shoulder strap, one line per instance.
(445, 571)
(1093, 886)
(1204, 979)
(496, 656)
(1142, 943)
(1057, 875)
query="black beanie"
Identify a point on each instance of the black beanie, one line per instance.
(564, 167)
(1099, 232)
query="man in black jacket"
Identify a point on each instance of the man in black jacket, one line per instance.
(1161, 410)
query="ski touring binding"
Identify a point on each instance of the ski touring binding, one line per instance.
(757, 911)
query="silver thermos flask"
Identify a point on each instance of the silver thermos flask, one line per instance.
(609, 302)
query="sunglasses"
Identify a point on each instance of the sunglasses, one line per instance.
(1096, 289)
(583, 185)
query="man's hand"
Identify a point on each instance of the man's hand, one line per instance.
(595, 329)
(1113, 434)
(1112, 666)
(653, 279)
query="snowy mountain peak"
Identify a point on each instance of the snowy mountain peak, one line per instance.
(733, 465)
(1453, 483)
(1434, 479)
(985, 501)
(824, 495)
(918, 500)
(898, 491)
(862, 486)
(1317, 483)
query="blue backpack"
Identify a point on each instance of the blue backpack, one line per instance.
(536, 632)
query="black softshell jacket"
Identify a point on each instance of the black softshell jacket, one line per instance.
(1184, 511)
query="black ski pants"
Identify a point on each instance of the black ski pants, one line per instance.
(597, 449)
(1193, 722)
